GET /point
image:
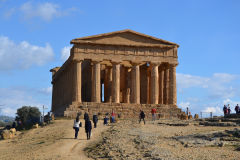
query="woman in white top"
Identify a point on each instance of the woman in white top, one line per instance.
(76, 125)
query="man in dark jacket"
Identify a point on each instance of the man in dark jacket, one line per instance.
(95, 120)
(142, 116)
(86, 116)
(225, 110)
(88, 128)
(237, 109)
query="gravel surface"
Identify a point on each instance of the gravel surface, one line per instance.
(166, 140)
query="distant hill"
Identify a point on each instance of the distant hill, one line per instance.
(6, 119)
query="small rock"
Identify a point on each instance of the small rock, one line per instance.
(186, 145)
(147, 155)
(13, 131)
(6, 134)
(35, 126)
(221, 144)
(238, 149)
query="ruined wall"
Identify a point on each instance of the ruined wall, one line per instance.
(63, 90)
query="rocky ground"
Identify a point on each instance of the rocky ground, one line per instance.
(166, 139)
(127, 140)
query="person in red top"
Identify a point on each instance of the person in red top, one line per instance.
(154, 111)
(113, 117)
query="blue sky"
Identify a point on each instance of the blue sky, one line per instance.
(35, 37)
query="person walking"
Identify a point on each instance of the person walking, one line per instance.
(154, 111)
(88, 128)
(142, 116)
(95, 120)
(237, 109)
(76, 126)
(86, 116)
(105, 121)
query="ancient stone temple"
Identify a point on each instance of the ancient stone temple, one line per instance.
(122, 71)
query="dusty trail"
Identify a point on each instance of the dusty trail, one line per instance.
(51, 142)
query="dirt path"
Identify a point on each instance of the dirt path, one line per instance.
(51, 142)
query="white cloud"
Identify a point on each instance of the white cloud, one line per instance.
(224, 77)
(65, 53)
(208, 94)
(188, 81)
(46, 11)
(215, 110)
(14, 98)
(219, 85)
(9, 13)
(22, 55)
(47, 90)
(184, 105)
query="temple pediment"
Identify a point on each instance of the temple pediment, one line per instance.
(124, 37)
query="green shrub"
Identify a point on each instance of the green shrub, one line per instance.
(28, 116)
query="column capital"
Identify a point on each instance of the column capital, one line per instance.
(136, 63)
(77, 60)
(173, 64)
(95, 62)
(116, 62)
(155, 63)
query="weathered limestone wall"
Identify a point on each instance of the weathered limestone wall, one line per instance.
(130, 111)
(63, 89)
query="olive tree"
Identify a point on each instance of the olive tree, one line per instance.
(28, 116)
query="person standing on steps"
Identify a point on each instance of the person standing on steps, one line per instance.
(225, 110)
(76, 126)
(237, 109)
(229, 109)
(88, 128)
(113, 116)
(142, 116)
(95, 120)
(154, 111)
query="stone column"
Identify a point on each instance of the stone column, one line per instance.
(78, 81)
(166, 84)
(154, 84)
(128, 84)
(116, 83)
(161, 82)
(135, 93)
(124, 84)
(149, 85)
(172, 85)
(96, 82)
(106, 84)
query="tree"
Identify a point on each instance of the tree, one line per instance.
(28, 116)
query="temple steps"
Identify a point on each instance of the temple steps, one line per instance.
(123, 110)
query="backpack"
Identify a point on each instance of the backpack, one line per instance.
(80, 125)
